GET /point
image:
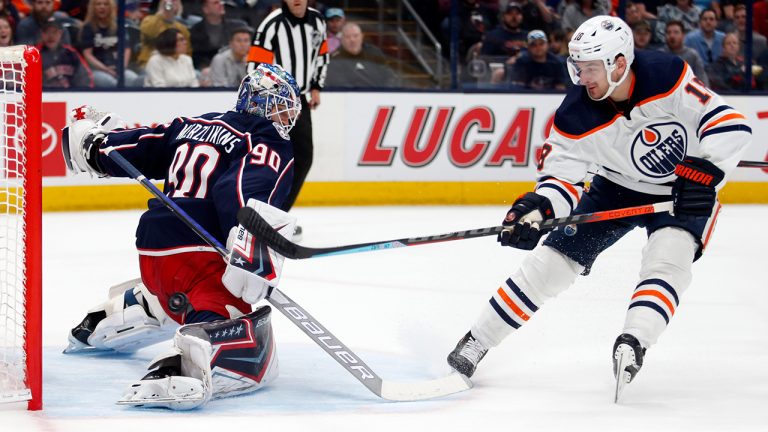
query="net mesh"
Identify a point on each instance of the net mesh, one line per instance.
(12, 233)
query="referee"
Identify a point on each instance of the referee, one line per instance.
(293, 37)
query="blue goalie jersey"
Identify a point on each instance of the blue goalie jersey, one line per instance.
(211, 165)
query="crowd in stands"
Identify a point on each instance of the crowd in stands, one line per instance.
(502, 43)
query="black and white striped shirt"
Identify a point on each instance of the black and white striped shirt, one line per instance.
(297, 44)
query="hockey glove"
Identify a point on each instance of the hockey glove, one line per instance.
(693, 193)
(252, 268)
(80, 145)
(522, 221)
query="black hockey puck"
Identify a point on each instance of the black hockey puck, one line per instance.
(178, 302)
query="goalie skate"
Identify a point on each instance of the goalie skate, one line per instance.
(166, 388)
(627, 361)
(130, 319)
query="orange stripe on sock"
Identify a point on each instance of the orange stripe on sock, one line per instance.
(519, 312)
(658, 295)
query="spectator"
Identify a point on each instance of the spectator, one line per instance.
(674, 45)
(706, 40)
(641, 31)
(169, 65)
(358, 64)
(77, 9)
(537, 15)
(579, 11)
(724, 10)
(153, 25)
(212, 33)
(98, 42)
(634, 15)
(760, 17)
(252, 12)
(760, 70)
(558, 44)
(648, 8)
(28, 31)
(228, 66)
(6, 32)
(538, 69)
(758, 40)
(727, 72)
(474, 20)
(334, 20)
(9, 12)
(684, 11)
(508, 38)
(62, 65)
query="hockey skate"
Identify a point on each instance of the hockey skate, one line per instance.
(129, 320)
(627, 361)
(78, 336)
(467, 354)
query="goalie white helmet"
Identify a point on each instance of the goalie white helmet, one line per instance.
(602, 38)
(270, 92)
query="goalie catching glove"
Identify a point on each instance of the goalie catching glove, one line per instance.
(694, 193)
(252, 268)
(86, 131)
(522, 222)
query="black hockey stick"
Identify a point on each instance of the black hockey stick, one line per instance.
(753, 164)
(394, 391)
(260, 228)
(257, 226)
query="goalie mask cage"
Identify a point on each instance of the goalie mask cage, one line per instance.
(20, 227)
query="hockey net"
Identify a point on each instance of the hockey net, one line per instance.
(20, 227)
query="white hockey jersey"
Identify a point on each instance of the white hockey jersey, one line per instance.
(637, 144)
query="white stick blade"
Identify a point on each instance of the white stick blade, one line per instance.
(413, 391)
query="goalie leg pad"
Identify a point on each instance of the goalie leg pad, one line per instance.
(665, 274)
(131, 319)
(544, 273)
(209, 361)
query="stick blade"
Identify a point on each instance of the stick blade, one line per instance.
(421, 390)
(263, 231)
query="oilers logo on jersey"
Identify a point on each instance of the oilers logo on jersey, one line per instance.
(658, 148)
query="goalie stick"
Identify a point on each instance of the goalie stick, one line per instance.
(260, 228)
(385, 389)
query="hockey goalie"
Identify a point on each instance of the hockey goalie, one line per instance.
(211, 165)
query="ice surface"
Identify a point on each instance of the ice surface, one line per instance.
(403, 310)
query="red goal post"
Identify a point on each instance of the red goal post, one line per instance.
(21, 226)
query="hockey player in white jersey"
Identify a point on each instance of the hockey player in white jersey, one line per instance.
(650, 130)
